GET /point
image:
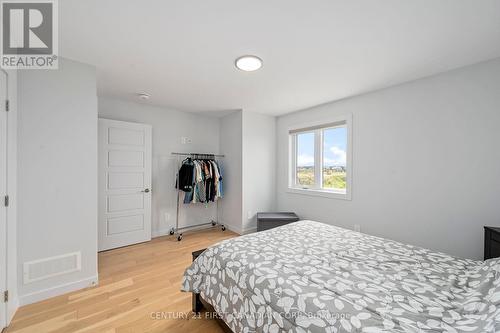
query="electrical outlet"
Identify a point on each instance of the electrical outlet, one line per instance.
(185, 140)
(357, 228)
(167, 217)
(249, 214)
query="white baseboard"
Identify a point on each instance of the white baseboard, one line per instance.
(240, 231)
(12, 307)
(249, 231)
(57, 290)
(159, 233)
(233, 228)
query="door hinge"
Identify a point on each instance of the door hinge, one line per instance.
(7, 105)
(6, 201)
(6, 296)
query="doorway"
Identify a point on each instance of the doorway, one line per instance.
(125, 158)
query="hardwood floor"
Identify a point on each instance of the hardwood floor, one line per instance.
(139, 286)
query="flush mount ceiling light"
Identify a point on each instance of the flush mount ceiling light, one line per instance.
(143, 96)
(248, 63)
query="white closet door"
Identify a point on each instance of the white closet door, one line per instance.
(124, 183)
(3, 192)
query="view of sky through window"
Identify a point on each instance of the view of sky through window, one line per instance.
(305, 149)
(334, 148)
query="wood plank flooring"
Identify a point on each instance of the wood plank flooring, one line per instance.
(138, 286)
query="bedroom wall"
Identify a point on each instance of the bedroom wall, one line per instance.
(258, 167)
(426, 162)
(57, 177)
(231, 146)
(248, 140)
(169, 126)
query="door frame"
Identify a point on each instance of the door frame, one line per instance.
(4, 322)
(102, 181)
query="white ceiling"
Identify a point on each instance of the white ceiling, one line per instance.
(182, 52)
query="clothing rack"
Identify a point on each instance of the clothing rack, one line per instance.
(192, 155)
(178, 230)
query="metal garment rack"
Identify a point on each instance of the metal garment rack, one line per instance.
(212, 223)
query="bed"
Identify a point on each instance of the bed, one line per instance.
(313, 277)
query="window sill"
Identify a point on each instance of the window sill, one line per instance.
(320, 193)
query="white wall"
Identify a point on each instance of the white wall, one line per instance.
(248, 140)
(57, 174)
(13, 303)
(168, 128)
(231, 146)
(259, 165)
(426, 161)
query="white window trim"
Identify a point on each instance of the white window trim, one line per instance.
(292, 153)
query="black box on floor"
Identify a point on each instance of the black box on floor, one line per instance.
(271, 220)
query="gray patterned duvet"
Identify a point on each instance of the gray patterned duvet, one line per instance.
(312, 277)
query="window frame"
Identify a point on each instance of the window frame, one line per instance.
(318, 127)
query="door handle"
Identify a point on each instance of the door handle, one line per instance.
(145, 190)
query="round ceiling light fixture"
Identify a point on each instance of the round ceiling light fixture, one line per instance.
(144, 96)
(248, 63)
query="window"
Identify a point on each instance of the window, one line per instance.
(320, 159)
(305, 160)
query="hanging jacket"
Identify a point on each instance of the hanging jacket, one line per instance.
(189, 196)
(185, 177)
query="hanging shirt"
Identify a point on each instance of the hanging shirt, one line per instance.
(221, 192)
(201, 180)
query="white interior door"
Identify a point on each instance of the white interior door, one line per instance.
(124, 183)
(3, 192)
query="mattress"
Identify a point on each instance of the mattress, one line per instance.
(313, 277)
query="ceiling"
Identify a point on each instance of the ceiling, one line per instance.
(183, 52)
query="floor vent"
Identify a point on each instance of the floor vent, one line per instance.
(45, 268)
